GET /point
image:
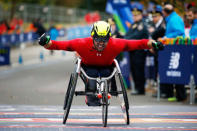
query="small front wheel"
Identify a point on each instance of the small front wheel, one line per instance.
(105, 106)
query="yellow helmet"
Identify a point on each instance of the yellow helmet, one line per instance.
(101, 31)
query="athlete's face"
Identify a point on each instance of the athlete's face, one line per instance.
(100, 45)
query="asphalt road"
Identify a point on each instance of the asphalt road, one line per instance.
(44, 118)
(31, 97)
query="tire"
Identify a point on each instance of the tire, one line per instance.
(68, 91)
(70, 97)
(126, 102)
(105, 106)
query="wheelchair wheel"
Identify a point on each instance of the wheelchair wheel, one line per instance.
(105, 106)
(125, 108)
(68, 91)
(70, 94)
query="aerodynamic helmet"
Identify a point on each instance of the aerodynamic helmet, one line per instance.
(101, 31)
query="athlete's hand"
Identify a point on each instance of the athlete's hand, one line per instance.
(157, 45)
(44, 39)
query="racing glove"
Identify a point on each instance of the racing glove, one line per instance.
(157, 45)
(44, 39)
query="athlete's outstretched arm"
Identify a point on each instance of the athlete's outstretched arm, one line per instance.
(69, 45)
(130, 45)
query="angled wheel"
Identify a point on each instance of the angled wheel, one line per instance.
(69, 96)
(125, 103)
(105, 106)
(68, 91)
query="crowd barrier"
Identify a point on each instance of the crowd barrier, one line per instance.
(14, 39)
(178, 65)
(78, 32)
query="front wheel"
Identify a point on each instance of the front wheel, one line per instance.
(70, 97)
(125, 103)
(105, 106)
(68, 91)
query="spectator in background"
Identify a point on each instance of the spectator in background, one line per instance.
(31, 27)
(39, 27)
(159, 23)
(137, 58)
(187, 24)
(192, 16)
(4, 27)
(158, 31)
(174, 28)
(54, 34)
(92, 17)
(15, 25)
(174, 23)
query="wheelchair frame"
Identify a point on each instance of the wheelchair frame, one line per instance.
(102, 88)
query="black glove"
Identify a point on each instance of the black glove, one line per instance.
(157, 46)
(44, 39)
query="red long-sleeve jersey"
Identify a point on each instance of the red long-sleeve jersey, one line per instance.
(90, 56)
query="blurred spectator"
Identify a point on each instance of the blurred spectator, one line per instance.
(54, 34)
(159, 23)
(174, 28)
(4, 27)
(137, 58)
(192, 16)
(190, 5)
(187, 20)
(174, 23)
(31, 28)
(158, 31)
(187, 25)
(92, 17)
(39, 27)
(15, 25)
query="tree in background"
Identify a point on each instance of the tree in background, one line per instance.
(10, 5)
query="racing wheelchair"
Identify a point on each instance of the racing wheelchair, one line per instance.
(102, 89)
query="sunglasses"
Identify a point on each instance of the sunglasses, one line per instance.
(101, 39)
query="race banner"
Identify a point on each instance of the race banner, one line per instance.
(4, 56)
(121, 13)
(175, 64)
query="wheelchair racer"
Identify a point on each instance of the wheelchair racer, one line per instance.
(98, 52)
